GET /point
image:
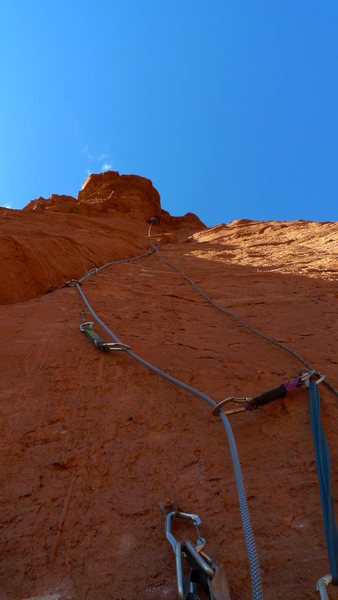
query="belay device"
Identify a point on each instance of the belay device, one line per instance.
(203, 575)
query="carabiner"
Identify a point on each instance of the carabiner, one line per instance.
(243, 402)
(322, 584)
(204, 575)
(311, 378)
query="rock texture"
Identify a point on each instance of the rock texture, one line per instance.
(92, 442)
(53, 240)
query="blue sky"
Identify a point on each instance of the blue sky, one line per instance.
(229, 107)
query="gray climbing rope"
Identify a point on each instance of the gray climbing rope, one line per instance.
(247, 528)
(96, 270)
(257, 593)
(240, 320)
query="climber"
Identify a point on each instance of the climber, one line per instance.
(156, 220)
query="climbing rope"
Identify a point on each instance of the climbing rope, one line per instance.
(257, 593)
(320, 442)
(250, 543)
(240, 320)
(96, 270)
(324, 479)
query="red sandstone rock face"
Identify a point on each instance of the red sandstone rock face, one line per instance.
(53, 240)
(124, 193)
(90, 442)
(55, 203)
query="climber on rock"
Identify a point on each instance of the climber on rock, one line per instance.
(156, 220)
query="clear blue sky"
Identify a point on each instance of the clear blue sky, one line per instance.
(230, 107)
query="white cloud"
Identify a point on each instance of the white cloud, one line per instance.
(85, 152)
(91, 159)
(8, 205)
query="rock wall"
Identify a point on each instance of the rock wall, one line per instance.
(53, 240)
(92, 442)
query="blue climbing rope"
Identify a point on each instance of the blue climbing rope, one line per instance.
(324, 478)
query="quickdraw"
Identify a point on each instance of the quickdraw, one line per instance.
(86, 327)
(236, 405)
(202, 575)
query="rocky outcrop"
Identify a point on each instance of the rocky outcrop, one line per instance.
(91, 442)
(55, 203)
(122, 193)
(59, 238)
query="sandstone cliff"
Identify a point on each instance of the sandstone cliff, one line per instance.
(91, 442)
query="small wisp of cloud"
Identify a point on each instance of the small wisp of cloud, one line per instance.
(95, 159)
(85, 152)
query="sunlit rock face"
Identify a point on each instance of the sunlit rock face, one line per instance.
(91, 442)
(124, 193)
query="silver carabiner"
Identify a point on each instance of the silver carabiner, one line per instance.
(196, 520)
(322, 584)
(188, 548)
(310, 376)
(86, 324)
